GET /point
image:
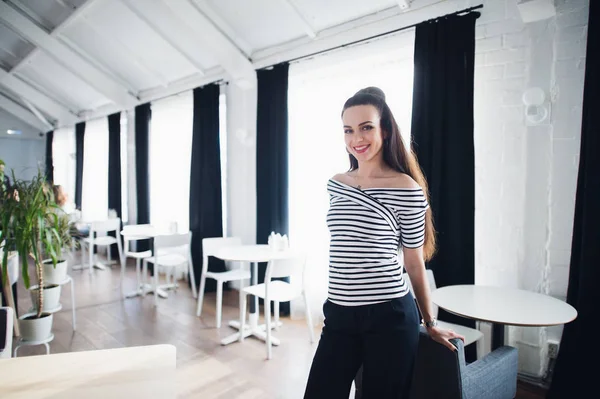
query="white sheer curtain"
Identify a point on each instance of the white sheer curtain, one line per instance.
(317, 91)
(124, 174)
(94, 197)
(170, 160)
(63, 160)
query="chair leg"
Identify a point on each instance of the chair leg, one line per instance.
(219, 302)
(91, 257)
(144, 276)
(268, 325)
(73, 304)
(193, 279)
(138, 273)
(200, 295)
(276, 314)
(311, 329)
(155, 285)
(108, 255)
(244, 301)
(122, 279)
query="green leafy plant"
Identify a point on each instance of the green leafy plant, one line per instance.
(31, 228)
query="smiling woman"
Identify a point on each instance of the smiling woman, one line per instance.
(317, 90)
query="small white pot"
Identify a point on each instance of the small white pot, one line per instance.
(33, 329)
(54, 275)
(13, 269)
(51, 297)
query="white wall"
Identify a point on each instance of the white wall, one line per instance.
(526, 175)
(23, 155)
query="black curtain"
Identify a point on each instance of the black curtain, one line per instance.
(49, 160)
(79, 136)
(143, 114)
(442, 133)
(114, 168)
(272, 158)
(206, 213)
(573, 377)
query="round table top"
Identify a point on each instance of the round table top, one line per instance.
(253, 253)
(143, 232)
(503, 305)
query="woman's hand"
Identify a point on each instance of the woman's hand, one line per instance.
(444, 336)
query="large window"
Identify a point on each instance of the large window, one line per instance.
(94, 199)
(63, 158)
(318, 89)
(170, 160)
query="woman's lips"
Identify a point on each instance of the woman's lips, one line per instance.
(362, 149)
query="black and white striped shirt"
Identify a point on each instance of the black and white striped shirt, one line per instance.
(366, 228)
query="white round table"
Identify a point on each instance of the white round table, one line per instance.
(145, 232)
(253, 254)
(503, 306)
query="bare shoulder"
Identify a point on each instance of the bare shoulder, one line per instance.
(341, 177)
(402, 180)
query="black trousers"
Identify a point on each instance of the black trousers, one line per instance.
(383, 338)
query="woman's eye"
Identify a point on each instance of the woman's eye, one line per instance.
(347, 131)
(367, 127)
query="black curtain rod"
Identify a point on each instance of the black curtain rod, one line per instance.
(466, 10)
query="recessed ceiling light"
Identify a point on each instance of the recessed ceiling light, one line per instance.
(13, 131)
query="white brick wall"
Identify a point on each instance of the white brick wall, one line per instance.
(526, 175)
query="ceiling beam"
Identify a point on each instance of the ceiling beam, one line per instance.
(209, 12)
(65, 56)
(142, 11)
(23, 114)
(308, 28)
(38, 114)
(233, 60)
(24, 90)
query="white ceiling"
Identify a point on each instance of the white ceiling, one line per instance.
(63, 61)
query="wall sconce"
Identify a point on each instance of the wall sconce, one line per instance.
(537, 109)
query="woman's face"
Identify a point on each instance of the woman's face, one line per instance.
(362, 132)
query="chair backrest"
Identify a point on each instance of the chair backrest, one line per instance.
(445, 370)
(6, 332)
(432, 287)
(172, 241)
(211, 245)
(102, 227)
(294, 266)
(136, 232)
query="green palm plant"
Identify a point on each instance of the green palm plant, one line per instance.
(30, 227)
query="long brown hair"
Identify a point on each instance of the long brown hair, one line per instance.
(395, 153)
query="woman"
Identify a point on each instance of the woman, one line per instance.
(376, 208)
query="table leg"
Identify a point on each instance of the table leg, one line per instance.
(497, 335)
(252, 328)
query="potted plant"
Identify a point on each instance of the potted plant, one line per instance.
(30, 225)
(56, 272)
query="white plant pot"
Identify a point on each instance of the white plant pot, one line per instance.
(13, 269)
(55, 275)
(35, 329)
(51, 297)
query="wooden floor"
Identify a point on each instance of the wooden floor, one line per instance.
(205, 368)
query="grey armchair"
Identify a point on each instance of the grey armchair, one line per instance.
(442, 374)
(6, 332)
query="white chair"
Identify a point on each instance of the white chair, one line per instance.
(210, 246)
(471, 334)
(278, 291)
(6, 333)
(99, 238)
(130, 234)
(169, 252)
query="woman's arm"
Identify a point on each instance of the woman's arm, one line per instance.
(415, 266)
